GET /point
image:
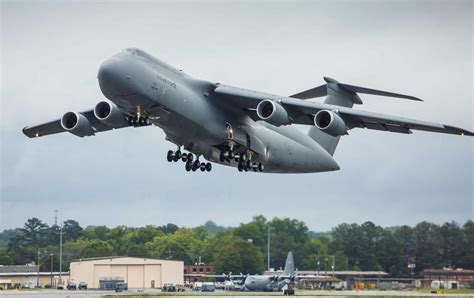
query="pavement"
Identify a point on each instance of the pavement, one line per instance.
(46, 293)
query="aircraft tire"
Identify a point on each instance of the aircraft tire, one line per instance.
(190, 156)
(208, 167)
(188, 166)
(221, 156)
(169, 156)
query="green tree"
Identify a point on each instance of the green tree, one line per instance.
(96, 248)
(72, 230)
(34, 232)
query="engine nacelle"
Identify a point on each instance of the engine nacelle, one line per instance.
(109, 114)
(77, 124)
(330, 123)
(272, 112)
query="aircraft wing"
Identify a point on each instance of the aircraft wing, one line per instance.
(303, 111)
(54, 126)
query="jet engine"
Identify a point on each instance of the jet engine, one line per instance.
(272, 112)
(77, 124)
(330, 122)
(109, 114)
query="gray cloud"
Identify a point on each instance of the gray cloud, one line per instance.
(51, 52)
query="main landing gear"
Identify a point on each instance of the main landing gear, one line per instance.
(188, 158)
(138, 121)
(244, 161)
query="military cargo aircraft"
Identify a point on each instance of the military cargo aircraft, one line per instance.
(249, 130)
(269, 283)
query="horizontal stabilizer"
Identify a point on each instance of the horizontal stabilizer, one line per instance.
(321, 91)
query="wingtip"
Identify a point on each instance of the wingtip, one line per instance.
(29, 135)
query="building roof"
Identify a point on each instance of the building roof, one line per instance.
(17, 268)
(449, 271)
(119, 257)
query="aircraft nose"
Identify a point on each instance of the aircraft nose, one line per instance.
(115, 79)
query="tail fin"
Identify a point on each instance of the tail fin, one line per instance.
(289, 265)
(345, 95)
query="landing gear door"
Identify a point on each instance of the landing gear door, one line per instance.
(256, 145)
(236, 135)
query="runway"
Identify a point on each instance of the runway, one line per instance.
(150, 293)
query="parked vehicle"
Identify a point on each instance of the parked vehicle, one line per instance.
(208, 287)
(82, 286)
(168, 287)
(121, 286)
(71, 286)
(197, 286)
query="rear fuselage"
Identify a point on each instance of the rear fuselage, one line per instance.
(191, 116)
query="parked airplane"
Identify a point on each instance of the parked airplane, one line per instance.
(242, 128)
(264, 283)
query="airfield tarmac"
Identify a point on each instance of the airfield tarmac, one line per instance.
(150, 293)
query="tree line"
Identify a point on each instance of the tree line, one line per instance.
(399, 251)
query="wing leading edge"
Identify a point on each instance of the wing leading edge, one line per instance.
(54, 127)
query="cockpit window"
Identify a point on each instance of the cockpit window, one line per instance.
(132, 51)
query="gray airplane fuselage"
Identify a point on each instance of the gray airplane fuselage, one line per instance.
(190, 116)
(263, 283)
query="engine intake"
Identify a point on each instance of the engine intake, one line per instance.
(110, 114)
(330, 123)
(77, 124)
(272, 112)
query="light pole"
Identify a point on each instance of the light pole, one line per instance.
(51, 255)
(60, 253)
(38, 270)
(268, 247)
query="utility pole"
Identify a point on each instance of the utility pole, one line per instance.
(333, 264)
(51, 269)
(60, 253)
(268, 248)
(318, 266)
(56, 217)
(38, 270)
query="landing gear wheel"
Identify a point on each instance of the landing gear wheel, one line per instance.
(188, 166)
(184, 157)
(170, 156)
(190, 156)
(202, 167)
(249, 164)
(176, 157)
(240, 167)
(261, 167)
(208, 167)
(196, 165)
(222, 156)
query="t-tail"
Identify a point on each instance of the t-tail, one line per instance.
(289, 265)
(343, 95)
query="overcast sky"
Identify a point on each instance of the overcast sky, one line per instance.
(51, 52)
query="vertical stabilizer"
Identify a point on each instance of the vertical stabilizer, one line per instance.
(289, 265)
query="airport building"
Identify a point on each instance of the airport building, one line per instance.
(196, 273)
(27, 276)
(138, 273)
(448, 278)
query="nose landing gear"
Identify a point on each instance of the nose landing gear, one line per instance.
(190, 163)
